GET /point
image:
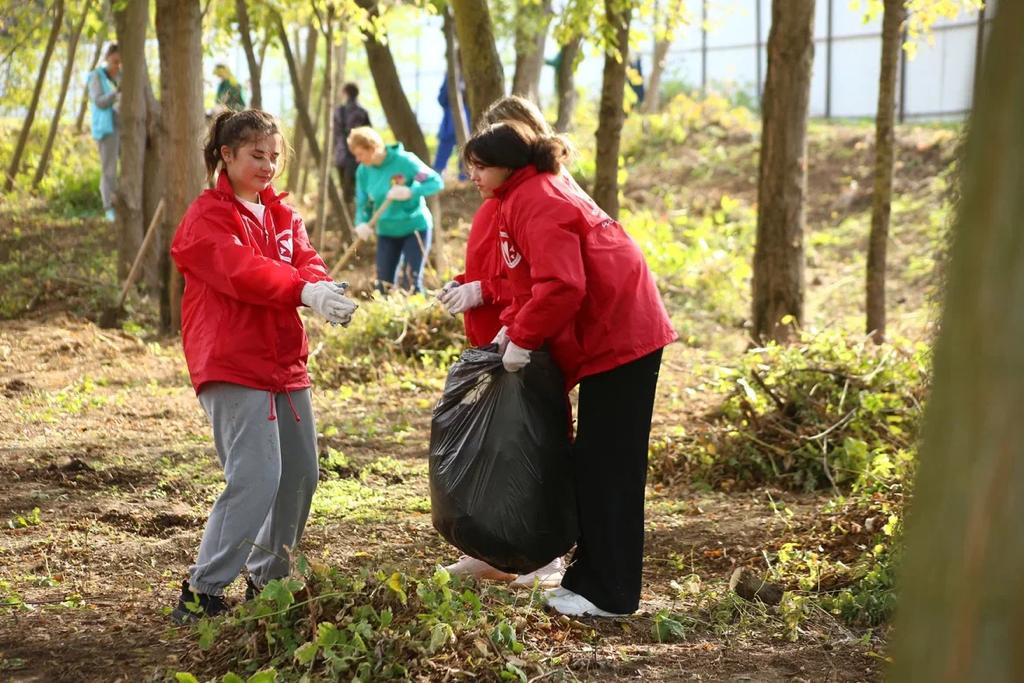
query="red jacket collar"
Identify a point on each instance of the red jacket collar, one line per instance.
(268, 197)
(517, 178)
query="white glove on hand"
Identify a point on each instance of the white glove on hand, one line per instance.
(326, 300)
(399, 193)
(462, 298)
(447, 288)
(501, 339)
(364, 231)
(515, 357)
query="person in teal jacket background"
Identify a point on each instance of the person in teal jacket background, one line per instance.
(404, 228)
(105, 95)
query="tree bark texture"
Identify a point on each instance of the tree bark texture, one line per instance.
(611, 114)
(652, 93)
(565, 84)
(30, 115)
(65, 81)
(961, 606)
(255, 65)
(179, 33)
(401, 118)
(778, 282)
(454, 77)
(153, 186)
(532, 20)
(306, 85)
(328, 101)
(302, 108)
(481, 65)
(131, 129)
(894, 14)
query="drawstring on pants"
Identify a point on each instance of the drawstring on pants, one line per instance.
(273, 414)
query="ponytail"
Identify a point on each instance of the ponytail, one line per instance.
(211, 150)
(512, 144)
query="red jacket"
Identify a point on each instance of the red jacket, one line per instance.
(243, 284)
(579, 282)
(483, 263)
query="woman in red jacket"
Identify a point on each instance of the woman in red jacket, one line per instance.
(248, 265)
(581, 287)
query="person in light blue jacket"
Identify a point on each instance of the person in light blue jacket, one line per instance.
(387, 174)
(105, 95)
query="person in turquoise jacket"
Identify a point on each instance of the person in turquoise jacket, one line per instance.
(387, 174)
(104, 95)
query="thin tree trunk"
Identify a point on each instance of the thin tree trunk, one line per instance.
(565, 84)
(65, 81)
(101, 36)
(153, 187)
(179, 32)
(454, 77)
(26, 126)
(401, 118)
(611, 114)
(131, 130)
(299, 138)
(301, 105)
(961, 606)
(328, 101)
(894, 14)
(778, 282)
(652, 94)
(316, 95)
(532, 21)
(255, 66)
(485, 78)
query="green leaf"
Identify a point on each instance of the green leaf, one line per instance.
(386, 617)
(185, 677)
(306, 653)
(439, 636)
(232, 677)
(327, 634)
(666, 629)
(265, 676)
(395, 585)
(207, 633)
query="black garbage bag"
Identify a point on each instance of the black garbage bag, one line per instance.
(501, 488)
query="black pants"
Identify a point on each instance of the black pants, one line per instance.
(610, 467)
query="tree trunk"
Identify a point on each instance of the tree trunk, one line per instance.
(101, 36)
(611, 114)
(26, 126)
(179, 32)
(485, 79)
(315, 95)
(894, 14)
(565, 84)
(652, 98)
(299, 145)
(401, 118)
(255, 66)
(65, 81)
(961, 606)
(454, 78)
(131, 129)
(532, 21)
(153, 187)
(328, 101)
(778, 282)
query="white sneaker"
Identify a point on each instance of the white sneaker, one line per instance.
(548, 576)
(555, 593)
(470, 566)
(575, 605)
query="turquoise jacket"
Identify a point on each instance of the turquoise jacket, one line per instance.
(102, 92)
(401, 218)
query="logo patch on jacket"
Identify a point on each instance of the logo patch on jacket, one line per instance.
(284, 245)
(508, 250)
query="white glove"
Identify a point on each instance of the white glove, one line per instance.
(326, 300)
(399, 193)
(364, 231)
(462, 298)
(449, 286)
(515, 357)
(501, 339)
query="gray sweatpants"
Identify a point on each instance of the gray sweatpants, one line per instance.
(271, 471)
(108, 145)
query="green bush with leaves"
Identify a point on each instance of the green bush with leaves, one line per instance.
(829, 411)
(326, 625)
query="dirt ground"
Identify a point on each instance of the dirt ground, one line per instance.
(102, 433)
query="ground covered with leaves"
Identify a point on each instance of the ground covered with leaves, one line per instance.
(791, 462)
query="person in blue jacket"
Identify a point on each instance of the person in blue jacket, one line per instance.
(105, 95)
(389, 174)
(446, 138)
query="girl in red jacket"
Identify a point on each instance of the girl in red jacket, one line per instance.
(581, 287)
(248, 265)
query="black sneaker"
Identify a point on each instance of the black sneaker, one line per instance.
(252, 591)
(194, 606)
